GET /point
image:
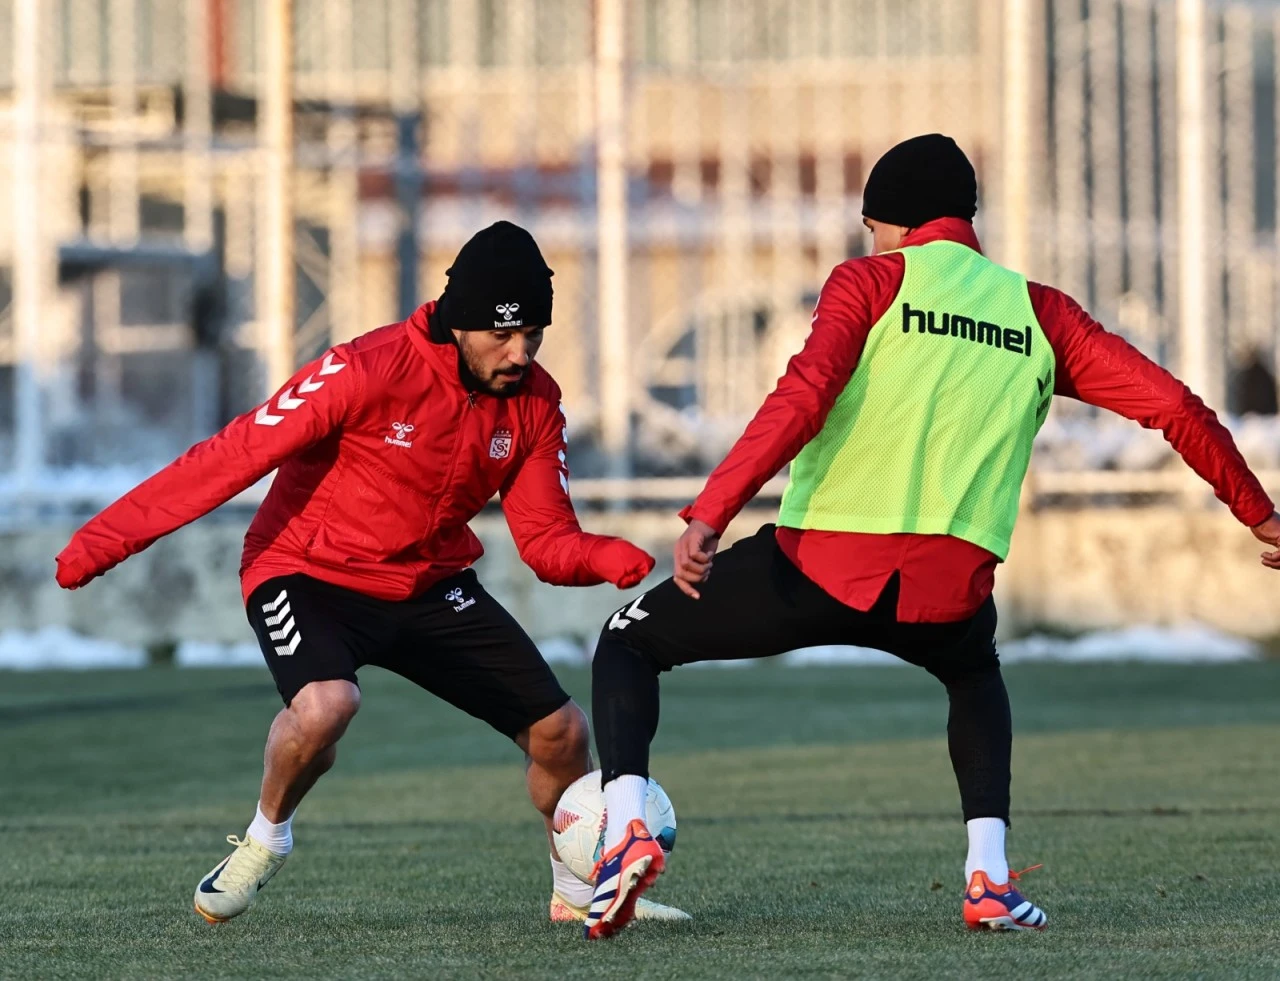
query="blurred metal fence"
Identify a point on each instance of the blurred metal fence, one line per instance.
(205, 193)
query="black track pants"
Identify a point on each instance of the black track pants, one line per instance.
(756, 604)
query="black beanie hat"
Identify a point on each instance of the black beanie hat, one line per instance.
(498, 280)
(920, 179)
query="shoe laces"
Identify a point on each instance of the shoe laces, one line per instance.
(239, 874)
(1015, 876)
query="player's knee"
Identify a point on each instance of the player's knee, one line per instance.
(561, 738)
(323, 710)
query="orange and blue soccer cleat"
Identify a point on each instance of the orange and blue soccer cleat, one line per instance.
(988, 906)
(621, 875)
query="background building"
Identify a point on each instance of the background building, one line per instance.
(206, 193)
(201, 195)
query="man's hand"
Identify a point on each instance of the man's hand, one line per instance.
(1269, 532)
(618, 561)
(694, 552)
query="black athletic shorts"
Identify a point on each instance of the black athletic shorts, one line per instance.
(756, 603)
(455, 640)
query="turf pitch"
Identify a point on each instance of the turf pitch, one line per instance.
(818, 831)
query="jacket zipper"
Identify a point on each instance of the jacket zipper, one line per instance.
(453, 465)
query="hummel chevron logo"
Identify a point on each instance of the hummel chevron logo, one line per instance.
(1043, 384)
(281, 603)
(288, 401)
(623, 618)
(265, 418)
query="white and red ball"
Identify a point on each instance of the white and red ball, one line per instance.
(578, 825)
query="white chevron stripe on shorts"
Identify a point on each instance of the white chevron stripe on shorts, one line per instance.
(290, 627)
(271, 607)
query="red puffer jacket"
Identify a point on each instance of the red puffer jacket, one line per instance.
(383, 458)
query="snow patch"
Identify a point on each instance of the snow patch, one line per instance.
(58, 648)
(563, 650)
(834, 655)
(1080, 440)
(197, 654)
(1191, 644)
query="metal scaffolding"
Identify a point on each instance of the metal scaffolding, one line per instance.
(205, 193)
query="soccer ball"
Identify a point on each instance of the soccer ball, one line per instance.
(578, 825)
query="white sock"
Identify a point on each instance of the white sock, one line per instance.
(986, 850)
(623, 803)
(568, 886)
(276, 838)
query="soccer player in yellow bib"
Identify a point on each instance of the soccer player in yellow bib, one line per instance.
(908, 420)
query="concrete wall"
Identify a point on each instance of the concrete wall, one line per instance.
(1077, 570)
(1111, 567)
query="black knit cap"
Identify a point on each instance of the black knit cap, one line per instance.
(920, 179)
(499, 280)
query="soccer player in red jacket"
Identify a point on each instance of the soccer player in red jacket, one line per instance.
(386, 447)
(910, 414)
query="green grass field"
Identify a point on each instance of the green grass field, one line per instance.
(819, 833)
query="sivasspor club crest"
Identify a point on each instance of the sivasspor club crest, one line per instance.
(500, 445)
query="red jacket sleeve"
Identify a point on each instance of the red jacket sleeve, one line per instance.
(314, 403)
(1102, 369)
(540, 513)
(855, 296)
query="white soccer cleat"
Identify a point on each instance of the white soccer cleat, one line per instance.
(231, 887)
(563, 911)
